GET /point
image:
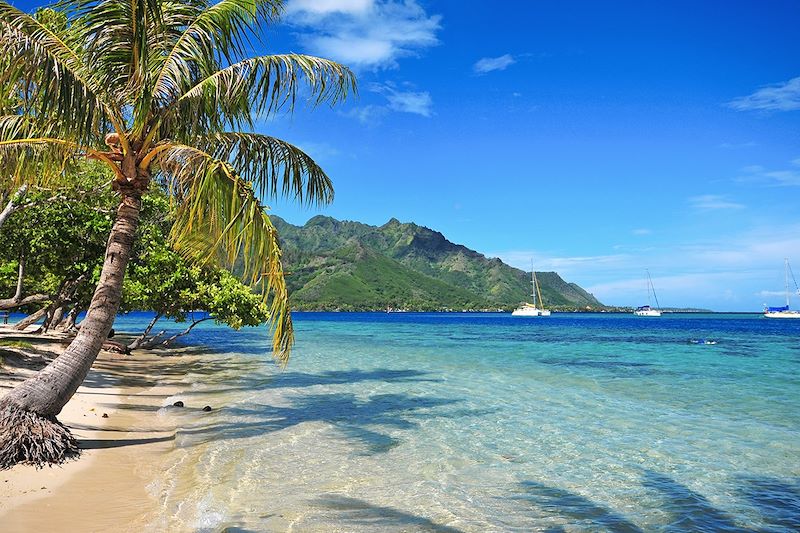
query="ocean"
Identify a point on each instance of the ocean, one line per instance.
(487, 422)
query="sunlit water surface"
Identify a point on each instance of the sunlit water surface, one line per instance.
(484, 422)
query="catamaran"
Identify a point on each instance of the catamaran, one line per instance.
(527, 309)
(646, 310)
(783, 311)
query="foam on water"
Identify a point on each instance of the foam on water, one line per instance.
(408, 422)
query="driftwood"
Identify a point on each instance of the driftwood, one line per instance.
(155, 340)
(32, 318)
(141, 338)
(116, 347)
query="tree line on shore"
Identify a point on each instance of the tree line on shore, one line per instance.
(51, 252)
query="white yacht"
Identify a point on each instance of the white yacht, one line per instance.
(647, 310)
(527, 309)
(784, 311)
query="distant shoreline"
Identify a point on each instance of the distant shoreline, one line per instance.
(490, 312)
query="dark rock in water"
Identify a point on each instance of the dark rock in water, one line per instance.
(207, 408)
(178, 404)
(105, 415)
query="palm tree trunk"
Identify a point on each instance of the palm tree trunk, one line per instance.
(29, 431)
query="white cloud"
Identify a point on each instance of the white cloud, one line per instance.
(414, 102)
(543, 261)
(709, 202)
(318, 151)
(488, 64)
(642, 231)
(736, 272)
(367, 34)
(789, 177)
(778, 97)
(325, 7)
(418, 103)
(369, 115)
(771, 294)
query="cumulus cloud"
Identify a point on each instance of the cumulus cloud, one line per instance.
(709, 202)
(777, 97)
(642, 231)
(369, 34)
(488, 64)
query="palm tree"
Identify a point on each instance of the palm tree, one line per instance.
(160, 92)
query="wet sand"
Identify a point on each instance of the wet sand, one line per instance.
(106, 488)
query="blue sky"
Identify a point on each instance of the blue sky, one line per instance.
(598, 138)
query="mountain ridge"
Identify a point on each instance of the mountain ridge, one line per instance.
(348, 265)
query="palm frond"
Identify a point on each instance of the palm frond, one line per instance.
(50, 76)
(219, 30)
(260, 86)
(220, 218)
(273, 166)
(128, 39)
(30, 154)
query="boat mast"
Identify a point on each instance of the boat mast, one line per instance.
(652, 287)
(786, 277)
(539, 292)
(533, 284)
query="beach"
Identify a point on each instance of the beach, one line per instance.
(113, 416)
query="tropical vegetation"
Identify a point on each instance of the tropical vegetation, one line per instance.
(350, 266)
(165, 96)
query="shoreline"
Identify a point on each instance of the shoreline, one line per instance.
(115, 417)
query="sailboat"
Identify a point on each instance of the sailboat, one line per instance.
(783, 311)
(527, 309)
(646, 310)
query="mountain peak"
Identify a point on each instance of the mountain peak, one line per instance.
(392, 222)
(321, 220)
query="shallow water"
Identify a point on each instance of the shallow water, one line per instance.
(484, 422)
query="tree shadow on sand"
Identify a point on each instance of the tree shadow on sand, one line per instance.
(576, 509)
(777, 500)
(357, 419)
(356, 512)
(774, 502)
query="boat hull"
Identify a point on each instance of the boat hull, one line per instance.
(530, 312)
(782, 314)
(647, 312)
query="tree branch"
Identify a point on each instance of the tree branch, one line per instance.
(14, 204)
(140, 339)
(12, 303)
(184, 332)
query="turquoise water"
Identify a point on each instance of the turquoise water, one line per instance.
(484, 422)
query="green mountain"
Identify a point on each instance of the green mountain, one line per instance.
(345, 265)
